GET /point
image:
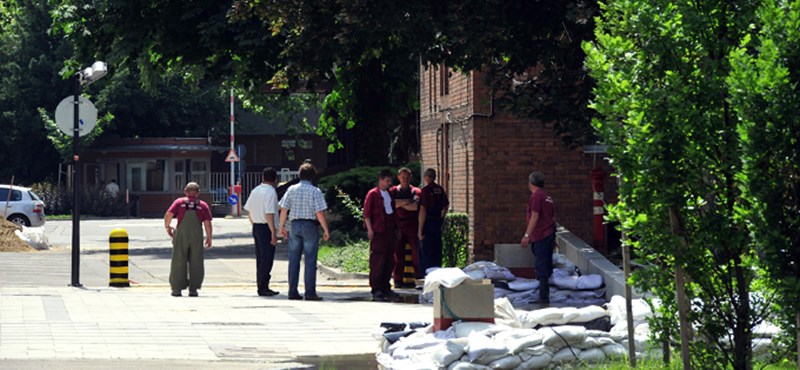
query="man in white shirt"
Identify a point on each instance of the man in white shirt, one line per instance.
(261, 207)
(112, 188)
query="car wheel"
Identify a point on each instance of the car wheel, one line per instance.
(20, 220)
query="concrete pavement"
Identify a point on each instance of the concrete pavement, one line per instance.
(43, 322)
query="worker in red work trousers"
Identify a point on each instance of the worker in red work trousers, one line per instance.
(406, 197)
(193, 216)
(379, 218)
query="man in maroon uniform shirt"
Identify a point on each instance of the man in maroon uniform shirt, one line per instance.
(379, 218)
(405, 198)
(540, 233)
(433, 205)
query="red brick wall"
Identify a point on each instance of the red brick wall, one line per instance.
(484, 157)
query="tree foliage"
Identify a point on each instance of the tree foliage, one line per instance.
(765, 91)
(664, 108)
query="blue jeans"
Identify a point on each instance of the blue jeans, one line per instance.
(430, 248)
(543, 264)
(303, 240)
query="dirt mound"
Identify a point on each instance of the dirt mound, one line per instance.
(10, 242)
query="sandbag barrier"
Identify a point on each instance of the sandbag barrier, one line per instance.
(535, 339)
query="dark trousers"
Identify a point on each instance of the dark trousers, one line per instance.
(543, 253)
(381, 260)
(265, 255)
(408, 235)
(431, 247)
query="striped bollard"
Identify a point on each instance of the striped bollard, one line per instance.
(118, 258)
(408, 267)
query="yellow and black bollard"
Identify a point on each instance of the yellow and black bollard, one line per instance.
(118, 258)
(408, 267)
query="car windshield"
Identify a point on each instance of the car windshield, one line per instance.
(34, 196)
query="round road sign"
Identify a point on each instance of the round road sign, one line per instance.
(65, 116)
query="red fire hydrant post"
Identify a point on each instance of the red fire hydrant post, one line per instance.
(237, 189)
(598, 209)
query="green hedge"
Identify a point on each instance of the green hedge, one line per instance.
(353, 256)
(455, 239)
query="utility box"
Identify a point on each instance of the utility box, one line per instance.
(470, 301)
(518, 260)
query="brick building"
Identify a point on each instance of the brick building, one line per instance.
(483, 157)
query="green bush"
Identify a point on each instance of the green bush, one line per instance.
(353, 256)
(455, 239)
(94, 201)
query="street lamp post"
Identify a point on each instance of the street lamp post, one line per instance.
(85, 77)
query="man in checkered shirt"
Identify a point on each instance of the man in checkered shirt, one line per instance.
(306, 203)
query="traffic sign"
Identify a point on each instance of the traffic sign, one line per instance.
(232, 157)
(233, 199)
(65, 116)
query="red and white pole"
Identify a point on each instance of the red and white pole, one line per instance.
(234, 208)
(598, 187)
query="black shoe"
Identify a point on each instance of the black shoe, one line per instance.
(313, 298)
(268, 293)
(295, 297)
(176, 293)
(192, 292)
(379, 297)
(390, 294)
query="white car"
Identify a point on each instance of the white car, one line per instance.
(21, 206)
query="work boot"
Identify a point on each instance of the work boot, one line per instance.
(176, 293)
(192, 292)
(544, 291)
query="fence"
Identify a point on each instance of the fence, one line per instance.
(221, 181)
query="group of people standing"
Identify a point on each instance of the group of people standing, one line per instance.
(396, 216)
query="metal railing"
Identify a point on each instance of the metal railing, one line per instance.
(221, 181)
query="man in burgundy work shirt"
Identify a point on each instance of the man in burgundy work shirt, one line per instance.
(405, 198)
(540, 233)
(380, 221)
(433, 205)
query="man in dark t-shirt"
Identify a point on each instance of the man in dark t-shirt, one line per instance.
(433, 206)
(540, 233)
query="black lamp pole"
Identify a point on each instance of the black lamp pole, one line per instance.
(76, 200)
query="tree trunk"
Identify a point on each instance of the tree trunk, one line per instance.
(741, 330)
(683, 305)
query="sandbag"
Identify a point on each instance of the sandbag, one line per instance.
(590, 282)
(504, 312)
(448, 277)
(516, 344)
(508, 363)
(615, 351)
(536, 362)
(497, 272)
(480, 345)
(447, 353)
(522, 284)
(545, 316)
(592, 355)
(568, 314)
(560, 336)
(566, 355)
(464, 328)
(476, 274)
(465, 365)
(589, 313)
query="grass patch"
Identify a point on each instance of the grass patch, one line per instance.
(352, 256)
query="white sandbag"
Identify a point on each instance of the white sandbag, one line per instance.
(563, 281)
(463, 329)
(426, 298)
(480, 345)
(447, 277)
(762, 346)
(560, 336)
(476, 274)
(500, 292)
(465, 365)
(568, 314)
(561, 262)
(619, 331)
(642, 330)
(34, 236)
(478, 265)
(766, 330)
(589, 313)
(545, 316)
(641, 311)
(598, 333)
(504, 312)
(590, 342)
(498, 272)
(616, 309)
(522, 284)
(536, 362)
(517, 344)
(590, 282)
(592, 355)
(488, 359)
(520, 298)
(566, 355)
(615, 351)
(538, 350)
(447, 353)
(597, 293)
(507, 363)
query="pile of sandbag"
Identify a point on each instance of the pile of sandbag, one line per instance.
(518, 340)
(567, 286)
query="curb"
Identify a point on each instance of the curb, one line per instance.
(337, 274)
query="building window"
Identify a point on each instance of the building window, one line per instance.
(444, 81)
(147, 176)
(197, 171)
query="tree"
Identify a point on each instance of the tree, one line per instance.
(764, 91)
(664, 111)
(370, 50)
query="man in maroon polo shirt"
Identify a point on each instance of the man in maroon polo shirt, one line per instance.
(193, 216)
(540, 233)
(379, 218)
(405, 198)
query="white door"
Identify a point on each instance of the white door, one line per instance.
(136, 177)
